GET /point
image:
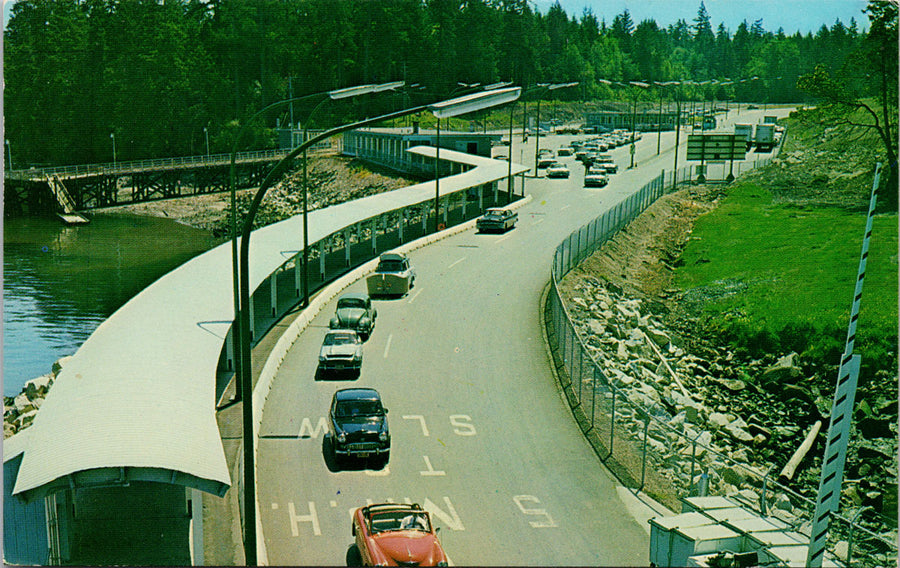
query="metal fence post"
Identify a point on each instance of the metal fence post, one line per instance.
(612, 422)
(644, 450)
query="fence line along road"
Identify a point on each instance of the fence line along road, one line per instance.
(625, 431)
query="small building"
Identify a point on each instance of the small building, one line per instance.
(644, 119)
(388, 146)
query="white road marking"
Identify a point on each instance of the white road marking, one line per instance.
(455, 263)
(501, 239)
(566, 207)
(387, 346)
(548, 521)
(421, 420)
(414, 296)
(431, 472)
(537, 222)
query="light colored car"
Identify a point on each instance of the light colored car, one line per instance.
(595, 180)
(557, 170)
(545, 161)
(393, 277)
(342, 350)
(496, 219)
(564, 151)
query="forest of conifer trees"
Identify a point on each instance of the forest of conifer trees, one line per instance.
(162, 75)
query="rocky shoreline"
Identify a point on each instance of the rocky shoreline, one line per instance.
(20, 411)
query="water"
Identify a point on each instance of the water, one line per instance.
(60, 282)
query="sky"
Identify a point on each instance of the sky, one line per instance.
(792, 15)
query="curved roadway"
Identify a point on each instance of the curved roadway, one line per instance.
(480, 434)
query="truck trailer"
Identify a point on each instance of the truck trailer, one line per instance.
(765, 137)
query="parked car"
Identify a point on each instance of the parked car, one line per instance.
(557, 170)
(595, 180)
(496, 219)
(357, 423)
(397, 534)
(341, 350)
(355, 311)
(564, 151)
(545, 161)
(392, 277)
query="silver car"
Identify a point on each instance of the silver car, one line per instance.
(342, 350)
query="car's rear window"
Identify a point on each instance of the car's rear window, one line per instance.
(351, 303)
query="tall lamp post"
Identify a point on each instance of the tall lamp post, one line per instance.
(633, 112)
(537, 137)
(9, 154)
(113, 136)
(206, 134)
(456, 107)
(448, 108)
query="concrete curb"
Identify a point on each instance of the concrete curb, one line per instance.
(287, 340)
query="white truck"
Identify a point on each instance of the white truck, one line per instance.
(765, 137)
(744, 131)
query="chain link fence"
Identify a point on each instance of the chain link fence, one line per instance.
(648, 449)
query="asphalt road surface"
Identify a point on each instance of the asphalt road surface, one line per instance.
(480, 434)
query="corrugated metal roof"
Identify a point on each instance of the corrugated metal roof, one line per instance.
(140, 392)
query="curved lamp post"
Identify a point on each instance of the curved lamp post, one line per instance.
(456, 107)
(537, 135)
(448, 108)
(334, 94)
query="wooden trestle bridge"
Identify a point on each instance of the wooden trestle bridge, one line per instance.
(69, 190)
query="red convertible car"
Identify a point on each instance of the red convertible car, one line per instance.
(397, 534)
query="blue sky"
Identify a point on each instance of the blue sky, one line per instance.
(792, 15)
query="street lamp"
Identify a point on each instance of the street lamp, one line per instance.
(456, 107)
(633, 112)
(537, 139)
(443, 109)
(9, 154)
(206, 134)
(113, 136)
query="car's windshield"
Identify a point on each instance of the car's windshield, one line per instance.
(390, 266)
(349, 408)
(494, 214)
(341, 339)
(351, 303)
(399, 520)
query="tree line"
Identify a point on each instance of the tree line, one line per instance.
(158, 78)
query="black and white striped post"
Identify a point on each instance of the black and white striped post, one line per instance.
(832, 476)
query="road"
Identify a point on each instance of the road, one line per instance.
(480, 434)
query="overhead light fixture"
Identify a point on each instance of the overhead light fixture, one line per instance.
(475, 101)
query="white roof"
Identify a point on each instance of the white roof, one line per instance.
(139, 394)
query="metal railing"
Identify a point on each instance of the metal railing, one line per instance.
(647, 448)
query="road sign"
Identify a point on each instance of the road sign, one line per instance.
(707, 147)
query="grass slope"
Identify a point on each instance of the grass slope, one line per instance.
(785, 276)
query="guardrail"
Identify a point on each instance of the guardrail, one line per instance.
(639, 443)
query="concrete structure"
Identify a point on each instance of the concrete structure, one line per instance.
(388, 147)
(645, 119)
(112, 469)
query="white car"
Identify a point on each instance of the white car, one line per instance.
(394, 276)
(557, 170)
(595, 180)
(342, 350)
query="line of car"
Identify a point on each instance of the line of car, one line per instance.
(598, 165)
(385, 534)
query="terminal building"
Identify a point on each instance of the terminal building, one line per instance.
(646, 119)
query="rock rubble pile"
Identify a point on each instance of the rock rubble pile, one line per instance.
(734, 421)
(19, 411)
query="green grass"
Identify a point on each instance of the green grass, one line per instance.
(800, 266)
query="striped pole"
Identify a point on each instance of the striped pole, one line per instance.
(832, 476)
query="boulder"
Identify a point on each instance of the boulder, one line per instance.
(785, 370)
(59, 364)
(23, 404)
(660, 338)
(718, 420)
(38, 387)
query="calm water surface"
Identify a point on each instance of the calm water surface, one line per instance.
(60, 282)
